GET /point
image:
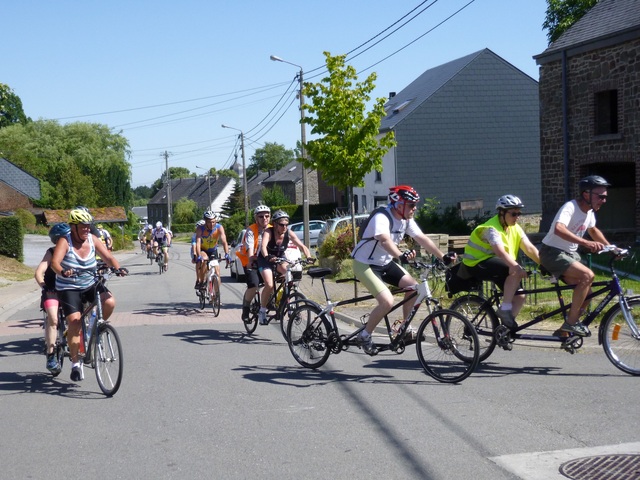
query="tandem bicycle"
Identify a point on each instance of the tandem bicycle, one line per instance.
(446, 342)
(618, 333)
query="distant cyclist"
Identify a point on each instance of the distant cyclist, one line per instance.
(105, 237)
(46, 278)
(161, 238)
(207, 238)
(194, 255)
(248, 255)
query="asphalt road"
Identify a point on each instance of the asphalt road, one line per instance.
(202, 399)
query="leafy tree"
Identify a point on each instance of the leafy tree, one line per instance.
(11, 108)
(561, 14)
(274, 196)
(185, 211)
(142, 192)
(272, 156)
(77, 164)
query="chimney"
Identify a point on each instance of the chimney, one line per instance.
(391, 95)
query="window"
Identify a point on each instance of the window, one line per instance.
(378, 176)
(355, 203)
(364, 203)
(606, 112)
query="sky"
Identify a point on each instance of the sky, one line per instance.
(167, 75)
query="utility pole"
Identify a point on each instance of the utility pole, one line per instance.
(168, 178)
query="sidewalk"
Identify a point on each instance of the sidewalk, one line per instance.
(17, 295)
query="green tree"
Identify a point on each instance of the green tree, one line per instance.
(11, 111)
(274, 196)
(185, 211)
(272, 156)
(347, 148)
(77, 164)
(561, 14)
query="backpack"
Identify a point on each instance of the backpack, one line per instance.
(363, 225)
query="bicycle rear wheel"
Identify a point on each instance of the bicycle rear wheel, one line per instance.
(60, 347)
(447, 346)
(482, 317)
(160, 259)
(307, 335)
(107, 355)
(150, 257)
(254, 310)
(286, 310)
(215, 297)
(620, 345)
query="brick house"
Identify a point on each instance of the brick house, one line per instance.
(590, 113)
(467, 132)
(17, 187)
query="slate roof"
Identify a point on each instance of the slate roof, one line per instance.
(291, 172)
(426, 85)
(195, 189)
(100, 215)
(609, 22)
(19, 180)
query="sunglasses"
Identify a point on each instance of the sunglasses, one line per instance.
(515, 214)
(601, 196)
(411, 205)
(283, 224)
(264, 216)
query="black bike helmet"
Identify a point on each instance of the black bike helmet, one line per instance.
(592, 181)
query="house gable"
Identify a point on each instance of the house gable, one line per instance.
(17, 187)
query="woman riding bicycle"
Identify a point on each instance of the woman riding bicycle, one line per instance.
(74, 262)
(207, 238)
(275, 241)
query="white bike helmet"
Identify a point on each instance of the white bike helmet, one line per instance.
(506, 202)
(158, 224)
(261, 209)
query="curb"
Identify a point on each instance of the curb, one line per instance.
(24, 297)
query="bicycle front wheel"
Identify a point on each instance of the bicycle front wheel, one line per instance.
(447, 346)
(215, 298)
(202, 297)
(286, 309)
(160, 263)
(254, 309)
(107, 355)
(483, 318)
(620, 344)
(307, 336)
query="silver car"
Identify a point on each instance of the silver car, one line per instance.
(340, 222)
(315, 226)
(235, 264)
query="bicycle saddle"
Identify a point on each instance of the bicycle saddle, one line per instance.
(319, 272)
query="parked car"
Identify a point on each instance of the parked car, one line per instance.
(315, 226)
(339, 223)
(235, 265)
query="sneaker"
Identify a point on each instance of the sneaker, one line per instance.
(52, 364)
(262, 317)
(507, 318)
(577, 329)
(77, 373)
(366, 344)
(245, 315)
(198, 285)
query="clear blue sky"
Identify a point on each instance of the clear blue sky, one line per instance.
(200, 63)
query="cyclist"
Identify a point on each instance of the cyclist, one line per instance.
(161, 239)
(74, 262)
(374, 265)
(194, 256)
(105, 237)
(49, 302)
(207, 237)
(559, 251)
(251, 243)
(148, 236)
(275, 241)
(491, 255)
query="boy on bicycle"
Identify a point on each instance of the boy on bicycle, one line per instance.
(373, 257)
(559, 251)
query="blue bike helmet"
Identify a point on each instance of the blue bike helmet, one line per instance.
(59, 230)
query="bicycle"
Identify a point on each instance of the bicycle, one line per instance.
(619, 331)
(160, 261)
(282, 301)
(446, 342)
(102, 347)
(210, 291)
(150, 255)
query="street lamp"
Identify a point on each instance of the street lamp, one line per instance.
(208, 183)
(303, 153)
(244, 176)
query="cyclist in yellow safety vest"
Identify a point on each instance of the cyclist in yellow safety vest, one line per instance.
(491, 255)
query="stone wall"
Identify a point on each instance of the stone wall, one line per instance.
(612, 68)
